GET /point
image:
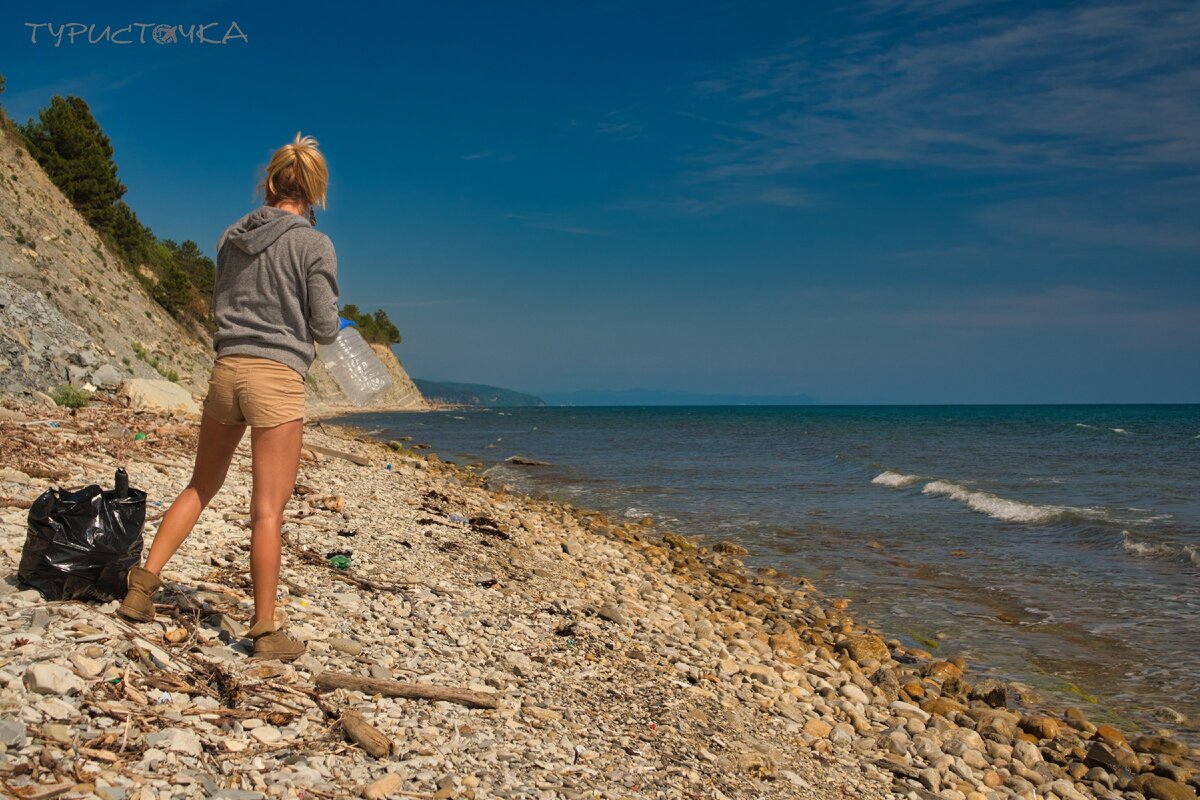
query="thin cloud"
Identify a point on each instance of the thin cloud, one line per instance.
(623, 130)
(486, 155)
(554, 222)
(701, 200)
(1109, 86)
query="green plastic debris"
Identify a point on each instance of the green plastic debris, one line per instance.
(340, 562)
(139, 436)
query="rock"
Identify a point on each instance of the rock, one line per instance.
(83, 358)
(1159, 744)
(347, 646)
(86, 666)
(12, 733)
(992, 692)
(1110, 759)
(1157, 787)
(157, 395)
(787, 642)
(818, 728)
(1027, 753)
(842, 733)
(1169, 715)
(942, 706)
(52, 679)
(854, 694)
(674, 540)
(730, 548)
(267, 734)
(1110, 736)
(1042, 727)
(942, 670)
(176, 740)
(612, 614)
(865, 648)
(908, 710)
(521, 664)
(385, 786)
(107, 377)
(997, 726)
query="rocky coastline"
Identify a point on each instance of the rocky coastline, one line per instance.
(486, 644)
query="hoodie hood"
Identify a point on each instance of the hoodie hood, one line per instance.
(259, 229)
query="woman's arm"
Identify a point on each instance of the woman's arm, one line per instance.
(323, 293)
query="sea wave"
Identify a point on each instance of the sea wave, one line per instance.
(998, 507)
(1162, 550)
(897, 480)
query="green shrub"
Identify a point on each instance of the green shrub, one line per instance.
(70, 397)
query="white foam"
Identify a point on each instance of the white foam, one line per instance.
(995, 507)
(1118, 430)
(1166, 550)
(896, 480)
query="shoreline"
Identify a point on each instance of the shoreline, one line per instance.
(734, 683)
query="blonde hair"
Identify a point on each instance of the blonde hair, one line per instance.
(297, 172)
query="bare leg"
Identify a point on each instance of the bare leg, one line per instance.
(217, 443)
(276, 458)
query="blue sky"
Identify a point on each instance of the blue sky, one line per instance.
(878, 202)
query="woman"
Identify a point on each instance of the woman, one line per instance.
(276, 293)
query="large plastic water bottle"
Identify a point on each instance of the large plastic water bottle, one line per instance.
(355, 366)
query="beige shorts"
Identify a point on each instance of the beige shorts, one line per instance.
(254, 391)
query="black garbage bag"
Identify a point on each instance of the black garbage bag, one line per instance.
(81, 543)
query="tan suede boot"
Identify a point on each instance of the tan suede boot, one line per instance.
(270, 642)
(138, 604)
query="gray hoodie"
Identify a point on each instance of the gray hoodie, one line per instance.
(276, 291)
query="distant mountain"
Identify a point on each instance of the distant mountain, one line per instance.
(657, 397)
(474, 394)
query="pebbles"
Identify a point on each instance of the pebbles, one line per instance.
(619, 666)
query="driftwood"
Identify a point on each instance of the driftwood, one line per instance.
(329, 451)
(15, 502)
(413, 691)
(364, 735)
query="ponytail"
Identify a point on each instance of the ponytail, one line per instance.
(297, 172)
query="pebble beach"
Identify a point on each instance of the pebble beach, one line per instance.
(483, 643)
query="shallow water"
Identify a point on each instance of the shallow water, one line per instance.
(1054, 545)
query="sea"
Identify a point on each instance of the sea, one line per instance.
(1054, 546)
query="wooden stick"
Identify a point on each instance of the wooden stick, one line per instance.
(364, 735)
(329, 451)
(15, 502)
(413, 691)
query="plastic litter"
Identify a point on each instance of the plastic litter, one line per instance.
(339, 559)
(139, 436)
(80, 543)
(355, 367)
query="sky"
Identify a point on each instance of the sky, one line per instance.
(876, 202)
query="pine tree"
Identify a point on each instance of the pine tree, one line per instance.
(77, 155)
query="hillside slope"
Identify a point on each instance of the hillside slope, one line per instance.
(70, 312)
(403, 395)
(68, 300)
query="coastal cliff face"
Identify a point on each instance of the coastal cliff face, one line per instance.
(69, 308)
(324, 393)
(72, 313)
